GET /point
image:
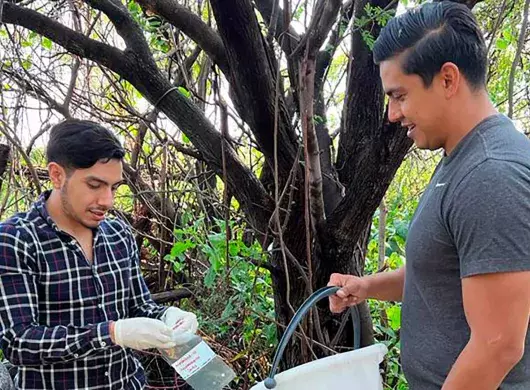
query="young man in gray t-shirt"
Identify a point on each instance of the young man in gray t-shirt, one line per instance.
(466, 283)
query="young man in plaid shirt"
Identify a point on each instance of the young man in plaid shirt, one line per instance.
(72, 298)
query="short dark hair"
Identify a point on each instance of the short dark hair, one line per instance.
(433, 34)
(79, 144)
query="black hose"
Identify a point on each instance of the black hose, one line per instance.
(270, 382)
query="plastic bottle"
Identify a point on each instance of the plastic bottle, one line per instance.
(198, 365)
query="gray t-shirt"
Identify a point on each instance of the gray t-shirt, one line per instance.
(474, 218)
(6, 383)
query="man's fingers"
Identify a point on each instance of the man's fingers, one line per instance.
(349, 289)
(338, 280)
(336, 304)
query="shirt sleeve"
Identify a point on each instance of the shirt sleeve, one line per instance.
(141, 304)
(489, 218)
(22, 339)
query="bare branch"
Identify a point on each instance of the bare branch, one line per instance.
(312, 152)
(71, 87)
(498, 23)
(470, 3)
(5, 130)
(76, 43)
(36, 91)
(515, 63)
(319, 28)
(284, 33)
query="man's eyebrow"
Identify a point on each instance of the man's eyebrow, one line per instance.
(99, 180)
(392, 91)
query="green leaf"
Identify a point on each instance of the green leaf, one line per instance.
(46, 43)
(394, 317)
(228, 312)
(134, 8)
(184, 92)
(181, 247)
(26, 64)
(185, 139)
(317, 119)
(209, 279)
(502, 44)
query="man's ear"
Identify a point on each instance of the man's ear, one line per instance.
(450, 77)
(57, 175)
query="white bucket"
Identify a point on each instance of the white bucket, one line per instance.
(355, 370)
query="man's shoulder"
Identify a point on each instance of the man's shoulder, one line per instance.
(22, 223)
(504, 142)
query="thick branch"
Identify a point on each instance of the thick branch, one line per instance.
(171, 296)
(370, 150)
(191, 25)
(125, 25)
(252, 77)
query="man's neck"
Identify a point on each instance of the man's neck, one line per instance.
(61, 219)
(466, 117)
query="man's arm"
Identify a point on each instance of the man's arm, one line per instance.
(497, 308)
(22, 339)
(489, 218)
(386, 286)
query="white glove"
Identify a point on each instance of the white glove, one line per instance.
(142, 333)
(183, 323)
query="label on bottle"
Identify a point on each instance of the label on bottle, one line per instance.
(194, 360)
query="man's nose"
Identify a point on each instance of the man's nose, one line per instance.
(107, 198)
(394, 112)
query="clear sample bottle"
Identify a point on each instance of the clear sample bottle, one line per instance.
(198, 365)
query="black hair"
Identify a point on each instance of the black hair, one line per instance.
(431, 35)
(79, 144)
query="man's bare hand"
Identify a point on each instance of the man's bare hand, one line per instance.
(353, 291)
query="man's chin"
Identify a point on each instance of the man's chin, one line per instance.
(91, 224)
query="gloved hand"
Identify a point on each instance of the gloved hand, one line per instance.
(142, 333)
(183, 323)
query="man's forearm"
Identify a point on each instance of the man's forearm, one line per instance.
(386, 286)
(480, 367)
(40, 345)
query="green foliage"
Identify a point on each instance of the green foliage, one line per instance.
(373, 14)
(235, 297)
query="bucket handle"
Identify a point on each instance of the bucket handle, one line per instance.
(324, 292)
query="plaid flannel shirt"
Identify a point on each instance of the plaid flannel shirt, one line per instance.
(56, 307)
